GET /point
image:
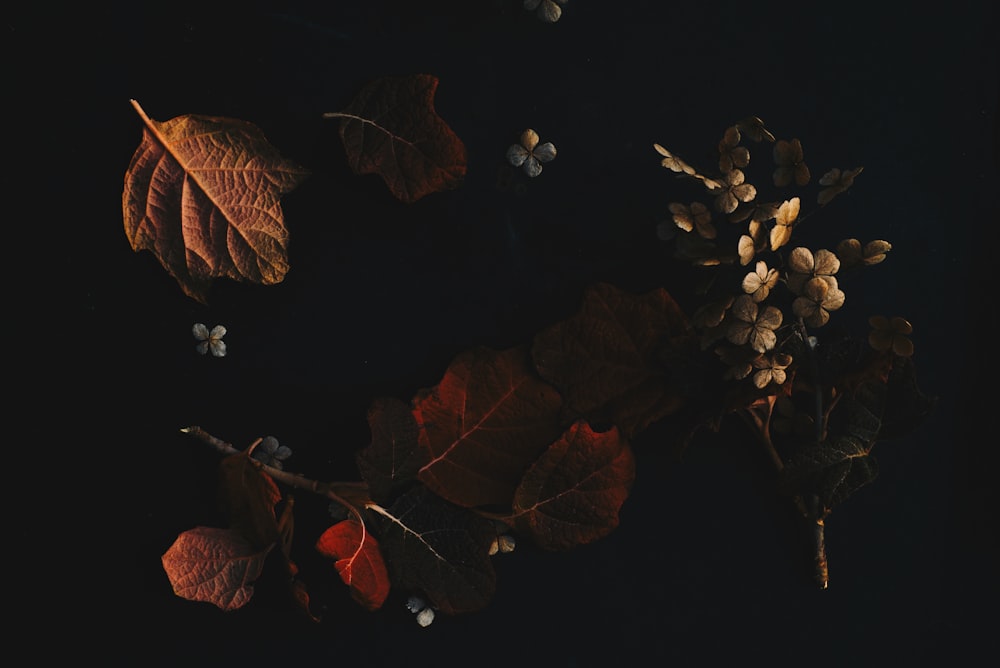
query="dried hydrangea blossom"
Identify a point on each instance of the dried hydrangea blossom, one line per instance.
(694, 217)
(734, 191)
(731, 154)
(758, 283)
(819, 297)
(752, 326)
(529, 154)
(209, 340)
(784, 220)
(891, 334)
(270, 453)
(770, 369)
(547, 10)
(803, 266)
(852, 254)
(837, 181)
(790, 164)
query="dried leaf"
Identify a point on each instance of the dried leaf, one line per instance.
(391, 129)
(394, 456)
(439, 549)
(358, 560)
(603, 359)
(487, 420)
(572, 494)
(248, 497)
(217, 566)
(203, 194)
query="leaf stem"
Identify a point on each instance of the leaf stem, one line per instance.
(330, 490)
(815, 513)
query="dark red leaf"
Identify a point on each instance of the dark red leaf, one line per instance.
(484, 424)
(358, 561)
(394, 455)
(391, 129)
(604, 358)
(439, 549)
(217, 566)
(573, 493)
(249, 496)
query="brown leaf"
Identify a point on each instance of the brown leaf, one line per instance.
(486, 421)
(203, 194)
(391, 129)
(572, 494)
(217, 566)
(437, 548)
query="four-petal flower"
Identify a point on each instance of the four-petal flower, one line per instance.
(753, 326)
(529, 154)
(210, 340)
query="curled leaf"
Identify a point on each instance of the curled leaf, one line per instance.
(358, 561)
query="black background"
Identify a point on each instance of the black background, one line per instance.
(708, 566)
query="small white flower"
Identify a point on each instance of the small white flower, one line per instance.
(529, 155)
(419, 607)
(210, 340)
(425, 617)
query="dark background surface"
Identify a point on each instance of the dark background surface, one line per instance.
(707, 567)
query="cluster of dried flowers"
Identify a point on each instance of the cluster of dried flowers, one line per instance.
(756, 233)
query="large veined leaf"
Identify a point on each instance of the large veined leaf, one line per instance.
(217, 566)
(573, 493)
(391, 129)
(203, 195)
(604, 358)
(484, 424)
(439, 549)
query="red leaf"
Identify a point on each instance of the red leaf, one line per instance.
(358, 561)
(391, 129)
(574, 491)
(486, 421)
(604, 358)
(217, 566)
(394, 455)
(249, 496)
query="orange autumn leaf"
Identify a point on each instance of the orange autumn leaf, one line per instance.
(217, 566)
(358, 560)
(203, 194)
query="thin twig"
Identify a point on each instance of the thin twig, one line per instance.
(325, 489)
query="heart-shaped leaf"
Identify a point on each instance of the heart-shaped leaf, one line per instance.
(573, 493)
(203, 194)
(484, 424)
(439, 549)
(391, 129)
(358, 561)
(217, 566)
